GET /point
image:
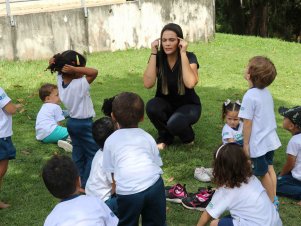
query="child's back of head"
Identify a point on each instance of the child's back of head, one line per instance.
(69, 57)
(107, 106)
(60, 176)
(128, 109)
(102, 129)
(46, 90)
(230, 166)
(262, 71)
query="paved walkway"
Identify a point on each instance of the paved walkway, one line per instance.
(19, 7)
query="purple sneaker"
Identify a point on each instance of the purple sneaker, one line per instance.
(176, 193)
(198, 201)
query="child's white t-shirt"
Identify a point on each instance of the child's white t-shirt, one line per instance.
(294, 148)
(230, 133)
(99, 182)
(5, 118)
(48, 117)
(258, 106)
(132, 155)
(249, 205)
(81, 211)
(76, 97)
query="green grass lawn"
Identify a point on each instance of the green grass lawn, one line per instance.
(222, 63)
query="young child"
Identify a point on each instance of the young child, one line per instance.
(48, 126)
(259, 132)
(289, 180)
(107, 106)
(61, 178)
(100, 183)
(232, 130)
(132, 156)
(73, 81)
(7, 149)
(238, 192)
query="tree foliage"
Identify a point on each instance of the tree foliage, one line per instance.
(265, 18)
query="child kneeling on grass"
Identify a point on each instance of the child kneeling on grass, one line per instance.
(133, 158)
(289, 180)
(61, 178)
(48, 122)
(238, 191)
(7, 149)
(100, 183)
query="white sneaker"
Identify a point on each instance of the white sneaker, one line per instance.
(202, 174)
(65, 145)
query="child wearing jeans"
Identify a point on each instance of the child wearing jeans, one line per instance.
(289, 180)
(133, 158)
(259, 132)
(48, 122)
(73, 81)
(7, 149)
(238, 192)
(100, 183)
(61, 178)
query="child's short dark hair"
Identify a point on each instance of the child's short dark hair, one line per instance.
(230, 166)
(128, 109)
(262, 71)
(46, 90)
(107, 106)
(101, 129)
(69, 57)
(228, 105)
(60, 175)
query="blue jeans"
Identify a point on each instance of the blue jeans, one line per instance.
(172, 122)
(289, 187)
(84, 146)
(150, 203)
(112, 204)
(226, 221)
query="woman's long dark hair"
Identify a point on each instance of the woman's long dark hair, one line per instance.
(162, 61)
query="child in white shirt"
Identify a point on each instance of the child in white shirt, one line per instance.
(132, 156)
(100, 183)
(48, 122)
(238, 192)
(257, 112)
(61, 178)
(232, 130)
(73, 81)
(289, 180)
(7, 149)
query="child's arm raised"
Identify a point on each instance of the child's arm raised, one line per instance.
(205, 217)
(90, 73)
(289, 165)
(247, 134)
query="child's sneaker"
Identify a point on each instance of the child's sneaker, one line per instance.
(203, 174)
(198, 201)
(176, 193)
(65, 145)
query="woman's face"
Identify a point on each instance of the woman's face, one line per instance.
(169, 42)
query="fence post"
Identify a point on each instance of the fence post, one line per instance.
(8, 13)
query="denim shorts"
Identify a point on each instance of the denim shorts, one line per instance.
(226, 221)
(7, 149)
(260, 165)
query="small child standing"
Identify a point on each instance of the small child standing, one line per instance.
(133, 158)
(100, 183)
(61, 178)
(289, 180)
(232, 130)
(7, 149)
(238, 192)
(259, 132)
(48, 129)
(73, 81)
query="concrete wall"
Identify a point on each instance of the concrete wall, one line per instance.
(111, 27)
